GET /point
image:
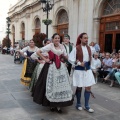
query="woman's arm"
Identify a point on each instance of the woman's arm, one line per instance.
(39, 54)
(23, 51)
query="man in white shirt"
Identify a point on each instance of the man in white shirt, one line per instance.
(95, 65)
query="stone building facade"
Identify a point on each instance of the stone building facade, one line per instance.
(69, 16)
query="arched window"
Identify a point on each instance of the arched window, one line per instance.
(22, 27)
(13, 29)
(63, 17)
(111, 7)
(23, 31)
(37, 23)
(62, 23)
(13, 34)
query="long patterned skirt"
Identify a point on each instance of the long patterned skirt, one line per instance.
(35, 76)
(27, 70)
(64, 97)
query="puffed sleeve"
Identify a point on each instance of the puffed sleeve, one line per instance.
(46, 48)
(34, 56)
(36, 48)
(24, 49)
(72, 56)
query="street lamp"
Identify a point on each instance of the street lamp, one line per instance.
(8, 31)
(47, 5)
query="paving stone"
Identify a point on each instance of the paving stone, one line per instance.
(17, 88)
(50, 116)
(107, 103)
(26, 102)
(10, 82)
(2, 86)
(6, 97)
(74, 114)
(13, 114)
(8, 104)
(22, 95)
(99, 110)
(108, 117)
(3, 91)
(36, 109)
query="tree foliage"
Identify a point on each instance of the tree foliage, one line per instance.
(38, 39)
(6, 42)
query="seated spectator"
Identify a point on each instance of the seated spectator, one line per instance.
(115, 72)
(95, 65)
(106, 66)
(113, 52)
(114, 58)
(117, 76)
(102, 56)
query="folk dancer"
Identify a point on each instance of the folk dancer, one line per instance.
(53, 86)
(29, 64)
(82, 76)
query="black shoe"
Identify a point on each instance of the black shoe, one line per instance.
(102, 81)
(59, 110)
(52, 109)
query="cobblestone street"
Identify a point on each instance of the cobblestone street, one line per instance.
(16, 102)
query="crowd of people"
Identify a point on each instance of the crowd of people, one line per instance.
(47, 70)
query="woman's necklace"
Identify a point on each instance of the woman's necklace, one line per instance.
(56, 45)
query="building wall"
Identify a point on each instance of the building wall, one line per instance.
(83, 15)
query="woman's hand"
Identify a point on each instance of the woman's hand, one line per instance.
(47, 60)
(83, 64)
(40, 61)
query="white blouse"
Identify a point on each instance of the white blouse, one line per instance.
(72, 55)
(29, 49)
(51, 47)
(34, 56)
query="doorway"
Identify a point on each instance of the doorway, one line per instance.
(117, 44)
(108, 42)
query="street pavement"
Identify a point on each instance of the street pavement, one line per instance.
(16, 102)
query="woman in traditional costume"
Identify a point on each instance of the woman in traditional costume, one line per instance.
(53, 87)
(82, 77)
(29, 64)
(39, 66)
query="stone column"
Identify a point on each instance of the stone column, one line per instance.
(86, 18)
(96, 29)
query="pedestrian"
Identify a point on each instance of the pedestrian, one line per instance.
(68, 47)
(82, 77)
(97, 47)
(29, 64)
(53, 87)
(92, 44)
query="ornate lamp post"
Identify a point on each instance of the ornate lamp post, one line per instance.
(47, 5)
(8, 31)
